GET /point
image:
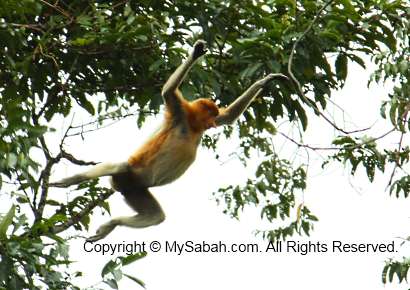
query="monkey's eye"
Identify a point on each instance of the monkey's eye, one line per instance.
(212, 111)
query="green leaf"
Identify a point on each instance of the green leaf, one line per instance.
(156, 65)
(246, 40)
(383, 109)
(52, 202)
(108, 268)
(136, 280)
(112, 283)
(249, 71)
(301, 113)
(11, 160)
(81, 41)
(341, 67)
(393, 111)
(306, 227)
(83, 102)
(117, 273)
(105, 205)
(357, 59)
(330, 35)
(393, 268)
(343, 140)
(132, 258)
(6, 222)
(403, 67)
(384, 274)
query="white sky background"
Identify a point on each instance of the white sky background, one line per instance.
(360, 213)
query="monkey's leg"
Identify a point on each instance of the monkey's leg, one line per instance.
(149, 213)
(102, 169)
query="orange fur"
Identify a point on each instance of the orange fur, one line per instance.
(143, 155)
(201, 115)
(169, 153)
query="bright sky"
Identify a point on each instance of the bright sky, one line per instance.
(349, 209)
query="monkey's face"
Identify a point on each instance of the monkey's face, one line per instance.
(206, 111)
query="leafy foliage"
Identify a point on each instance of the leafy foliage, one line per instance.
(107, 57)
(274, 190)
(363, 153)
(395, 268)
(112, 271)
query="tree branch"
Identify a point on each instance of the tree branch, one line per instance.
(44, 180)
(85, 211)
(76, 161)
(45, 173)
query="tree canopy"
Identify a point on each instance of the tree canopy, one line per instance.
(111, 58)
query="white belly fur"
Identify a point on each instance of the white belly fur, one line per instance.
(173, 159)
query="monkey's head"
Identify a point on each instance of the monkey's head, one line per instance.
(205, 112)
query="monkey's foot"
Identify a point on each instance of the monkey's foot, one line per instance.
(102, 232)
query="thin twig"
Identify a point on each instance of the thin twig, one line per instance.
(111, 50)
(354, 146)
(314, 148)
(297, 83)
(35, 27)
(119, 4)
(109, 116)
(58, 9)
(76, 161)
(396, 165)
(115, 119)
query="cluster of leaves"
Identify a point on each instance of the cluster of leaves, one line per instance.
(58, 55)
(28, 259)
(30, 263)
(27, 262)
(274, 189)
(396, 268)
(363, 152)
(113, 270)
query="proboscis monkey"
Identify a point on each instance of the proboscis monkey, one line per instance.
(170, 152)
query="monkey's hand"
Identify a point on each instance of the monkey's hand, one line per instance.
(199, 49)
(102, 231)
(269, 77)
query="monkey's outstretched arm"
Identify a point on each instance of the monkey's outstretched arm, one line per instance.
(234, 110)
(102, 169)
(170, 93)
